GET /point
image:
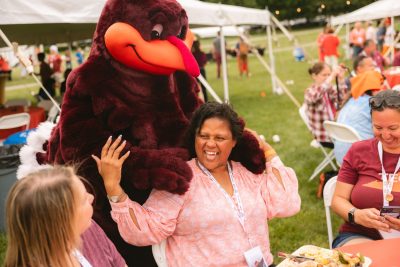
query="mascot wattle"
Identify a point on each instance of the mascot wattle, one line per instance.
(138, 82)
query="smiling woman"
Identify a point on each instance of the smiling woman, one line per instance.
(222, 219)
(369, 177)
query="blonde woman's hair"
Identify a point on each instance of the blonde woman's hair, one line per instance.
(40, 219)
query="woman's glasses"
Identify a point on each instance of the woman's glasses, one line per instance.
(377, 102)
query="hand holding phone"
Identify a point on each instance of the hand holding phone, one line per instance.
(392, 211)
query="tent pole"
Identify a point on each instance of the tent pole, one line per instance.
(338, 29)
(224, 65)
(271, 60)
(281, 27)
(392, 40)
(348, 54)
(209, 88)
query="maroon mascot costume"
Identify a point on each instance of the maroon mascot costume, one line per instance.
(135, 83)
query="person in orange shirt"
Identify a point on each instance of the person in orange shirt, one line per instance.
(320, 38)
(329, 48)
(5, 67)
(357, 38)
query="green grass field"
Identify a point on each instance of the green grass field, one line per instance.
(271, 115)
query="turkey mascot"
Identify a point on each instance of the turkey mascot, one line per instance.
(138, 82)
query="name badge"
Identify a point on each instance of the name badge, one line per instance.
(254, 257)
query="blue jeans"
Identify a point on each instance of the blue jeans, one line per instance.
(344, 237)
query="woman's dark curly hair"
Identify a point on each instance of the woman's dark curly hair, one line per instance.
(212, 110)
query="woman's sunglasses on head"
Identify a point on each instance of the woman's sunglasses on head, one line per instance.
(376, 102)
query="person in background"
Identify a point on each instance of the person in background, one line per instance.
(201, 59)
(357, 38)
(355, 111)
(370, 32)
(320, 38)
(369, 50)
(79, 56)
(63, 86)
(396, 61)
(380, 35)
(329, 48)
(389, 36)
(5, 67)
(364, 179)
(242, 52)
(68, 59)
(360, 65)
(55, 62)
(49, 223)
(217, 53)
(322, 99)
(45, 73)
(225, 212)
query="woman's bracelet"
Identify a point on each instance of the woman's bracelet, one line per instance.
(116, 199)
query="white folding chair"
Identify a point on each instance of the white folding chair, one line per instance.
(341, 132)
(329, 157)
(15, 121)
(159, 254)
(17, 102)
(329, 189)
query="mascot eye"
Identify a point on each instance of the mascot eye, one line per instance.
(156, 32)
(182, 34)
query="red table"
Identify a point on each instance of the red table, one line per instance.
(37, 116)
(392, 76)
(383, 253)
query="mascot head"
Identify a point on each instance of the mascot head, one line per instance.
(149, 36)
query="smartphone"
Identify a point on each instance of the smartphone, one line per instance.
(393, 211)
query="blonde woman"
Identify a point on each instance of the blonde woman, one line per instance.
(49, 223)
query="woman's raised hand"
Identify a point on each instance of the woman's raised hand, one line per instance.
(110, 163)
(371, 218)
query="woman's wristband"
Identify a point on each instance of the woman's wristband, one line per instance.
(118, 198)
(269, 154)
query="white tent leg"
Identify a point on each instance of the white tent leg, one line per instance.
(224, 65)
(347, 49)
(271, 60)
(281, 27)
(392, 40)
(209, 89)
(338, 29)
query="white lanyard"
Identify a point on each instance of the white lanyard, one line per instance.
(82, 260)
(237, 208)
(387, 185)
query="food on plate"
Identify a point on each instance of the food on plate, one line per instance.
(323, 258)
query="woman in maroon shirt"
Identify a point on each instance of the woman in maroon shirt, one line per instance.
(369, 176)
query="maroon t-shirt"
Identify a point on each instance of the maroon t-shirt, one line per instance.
(362, 168)
(99, 250)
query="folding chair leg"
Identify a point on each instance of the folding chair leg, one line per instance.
(331, 160)
(327, 160)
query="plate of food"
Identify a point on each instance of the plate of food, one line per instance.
(313, 256)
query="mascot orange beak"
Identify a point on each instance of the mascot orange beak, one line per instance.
(126, 45)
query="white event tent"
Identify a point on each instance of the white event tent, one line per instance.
(53, 21)
(376, 10)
